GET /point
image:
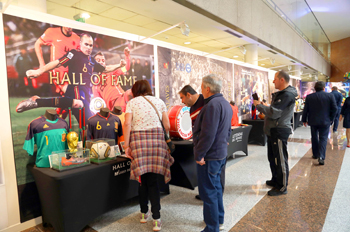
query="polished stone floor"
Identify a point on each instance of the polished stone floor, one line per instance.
(317, 200)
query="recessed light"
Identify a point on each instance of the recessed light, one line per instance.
(235, 56)
(262, 64)
(187, 43)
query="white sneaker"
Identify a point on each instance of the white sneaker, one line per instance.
(144, 217)
(157, 225)
(221, 227)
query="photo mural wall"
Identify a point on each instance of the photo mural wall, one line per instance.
(247, 82)
(177, 69)
(102, 68)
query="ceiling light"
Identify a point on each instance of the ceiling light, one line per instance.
(187, 43)
(262, 64)
(81, 17)
(235, 56)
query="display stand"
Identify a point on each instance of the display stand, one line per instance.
(72, 199)
(257, 135)
(184, 169)
(238, 140)
(297, 119)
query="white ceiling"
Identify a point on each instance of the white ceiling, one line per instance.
(333, 16)
(147, 17)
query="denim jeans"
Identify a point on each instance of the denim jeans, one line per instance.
(210, 191)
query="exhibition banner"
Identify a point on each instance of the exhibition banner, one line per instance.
(177, 69)
(247, 82)
(81, 69)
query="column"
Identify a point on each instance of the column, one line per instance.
(251, 56)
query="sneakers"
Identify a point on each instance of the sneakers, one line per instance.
(270, 183)
(221, 227)
(276, 192)
(157, 225)
(320, 161)
(144, 217)
(27, 104)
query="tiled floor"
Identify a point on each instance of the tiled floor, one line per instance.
(313, 203)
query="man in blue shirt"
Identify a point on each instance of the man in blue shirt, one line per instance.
(211, 133)
(338, 100)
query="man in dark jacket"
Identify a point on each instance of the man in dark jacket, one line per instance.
(211, 133)
(277, 127)
(319, 112)
(338, 100)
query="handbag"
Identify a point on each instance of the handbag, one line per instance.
(168, 141)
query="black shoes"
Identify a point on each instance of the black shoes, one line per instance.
(270, 183)
(276, 192)
(320, 161)
(198, 197)
(314, 157)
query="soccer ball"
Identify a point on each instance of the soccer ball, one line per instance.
(100, 150)
(96, 104)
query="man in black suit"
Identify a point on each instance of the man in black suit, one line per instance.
(319, 112)
(338, 100)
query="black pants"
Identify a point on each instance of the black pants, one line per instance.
(149, 190)
(278, 156)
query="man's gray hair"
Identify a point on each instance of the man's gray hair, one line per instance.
(213, 82)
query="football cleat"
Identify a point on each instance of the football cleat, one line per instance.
(27, 104)
(68, 162)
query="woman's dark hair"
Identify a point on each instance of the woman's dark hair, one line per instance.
(141, 88)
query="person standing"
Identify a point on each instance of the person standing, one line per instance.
(319, 111)
(345, 113)
(146, 146)
(211, 133)
(195, 101)
(277, 127)
(338, 100)
(234, 120)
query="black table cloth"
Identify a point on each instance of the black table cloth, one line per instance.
(238, 140)
(184, 170)
(298, 119)
(73, 198)
(257, 135)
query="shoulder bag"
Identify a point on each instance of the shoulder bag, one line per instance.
(170, 144)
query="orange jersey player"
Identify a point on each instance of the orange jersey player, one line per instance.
(61, 40)
(111, 92)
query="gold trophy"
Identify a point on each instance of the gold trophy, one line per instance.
(72, 140)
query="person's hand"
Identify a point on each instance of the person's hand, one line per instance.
(126, 51)
(305, 124)
(256, 102)
(201, 162)
(33, 73)
(128, 153)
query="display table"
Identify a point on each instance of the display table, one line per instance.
(238, 140)
(184, 169)
(71, 199)
(297, 119)
(257, 135)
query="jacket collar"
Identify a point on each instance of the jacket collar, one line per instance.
(211, 97)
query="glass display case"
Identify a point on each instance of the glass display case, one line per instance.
(65, 159)
(102, 150)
